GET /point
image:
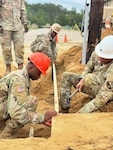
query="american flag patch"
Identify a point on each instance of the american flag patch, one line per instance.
(20, 89)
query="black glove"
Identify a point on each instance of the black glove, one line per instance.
(1, 30)
(26, 29)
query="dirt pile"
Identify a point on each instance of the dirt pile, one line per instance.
(106, 32)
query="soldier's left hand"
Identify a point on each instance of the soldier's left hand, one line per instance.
(26, 29)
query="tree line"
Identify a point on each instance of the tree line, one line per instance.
(48, 13)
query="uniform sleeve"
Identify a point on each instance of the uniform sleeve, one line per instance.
(23, 13)
(37, 45)
(104, 95)
(42, 44)
(90, 65)
(17, 110)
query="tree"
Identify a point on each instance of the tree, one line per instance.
(50, 13)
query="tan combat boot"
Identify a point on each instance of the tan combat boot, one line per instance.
(8, 69)
(20, 66)
(7, 133)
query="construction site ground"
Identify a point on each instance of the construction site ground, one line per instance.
(70, 131)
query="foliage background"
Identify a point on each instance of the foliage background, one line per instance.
(48, 13)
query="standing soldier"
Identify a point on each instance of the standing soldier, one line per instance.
(46, 43)
(13, 18)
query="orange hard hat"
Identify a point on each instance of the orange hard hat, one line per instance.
(41, 61)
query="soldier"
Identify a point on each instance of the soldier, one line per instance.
(96, 80)
(46, 43)
(110, 18)
(17, 106)
(109, 22)
(13, 19)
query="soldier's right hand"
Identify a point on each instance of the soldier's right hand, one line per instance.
(80, 85)
(1, 29)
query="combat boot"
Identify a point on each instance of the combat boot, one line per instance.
(20, 66)
(7, 133)
(8, 69)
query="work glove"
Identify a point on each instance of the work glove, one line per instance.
(1, 30)
(26, 28)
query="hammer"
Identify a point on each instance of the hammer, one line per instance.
(70, 96)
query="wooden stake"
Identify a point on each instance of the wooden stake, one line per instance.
(56, 103)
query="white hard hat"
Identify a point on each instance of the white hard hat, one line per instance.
(56, 27)
(105, 48)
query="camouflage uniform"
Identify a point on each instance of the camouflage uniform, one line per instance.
(98, 84)
(13, 17)
(46, 44)
(16, 103)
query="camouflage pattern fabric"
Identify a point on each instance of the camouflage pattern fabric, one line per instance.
(98, 84)
(46, 44)
(12, 18)
(13, 14)
(16, 103)
(17, 39)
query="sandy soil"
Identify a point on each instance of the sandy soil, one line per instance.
(68, 132)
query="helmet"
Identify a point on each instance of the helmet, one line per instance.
(41, 61)
(111, 14)
(56, 27)
(105, 48)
